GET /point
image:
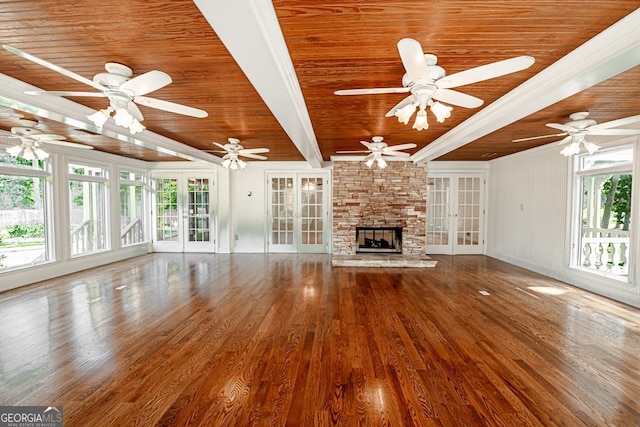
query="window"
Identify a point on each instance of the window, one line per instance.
(24, 208)
(167, 207)
(132, 207)
(603, 228)
(88, 198)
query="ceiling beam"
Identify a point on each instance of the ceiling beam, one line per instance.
(250, 31)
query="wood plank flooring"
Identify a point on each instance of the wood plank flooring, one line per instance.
(256, 339)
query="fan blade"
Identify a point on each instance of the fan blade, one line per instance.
(539, 137)
(565, 139)
(54, 67)
(64, 93)
(70, 144)
(170, 106)
(564, 128)
(457, 98)
(46, 137)
(369, 157)
(395, 153)
(413, 60)
(253, 150)
(352, 152)
(408, 100)
(615, 123)
(373, 91)
(217, 144)
(133, 109)
(613, 132)
(147, 82)
(368, 144)
(485, 72)
(401, 147)
(251, 156)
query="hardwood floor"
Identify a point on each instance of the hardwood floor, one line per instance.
(254, 339)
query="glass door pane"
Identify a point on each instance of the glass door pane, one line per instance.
(312, 235)
(282, 209)
(468, 226)
(438, 217)
(198, 210)
(167, 216)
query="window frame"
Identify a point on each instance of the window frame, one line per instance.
(105, 181)
(576, 218)
(145, 184)
(47, 206)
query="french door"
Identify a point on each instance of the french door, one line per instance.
(183, 213)
(297, 212)
(455, 214)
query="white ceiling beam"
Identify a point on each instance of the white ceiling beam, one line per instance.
(250, 31)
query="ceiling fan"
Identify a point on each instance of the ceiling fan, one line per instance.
(580, 127)
(233, 150)
(377, 148)
(123, 92)
(428, 84)
(32, 141)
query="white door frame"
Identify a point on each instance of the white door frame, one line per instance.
(299, 215)
(461, 211)
(187, 214)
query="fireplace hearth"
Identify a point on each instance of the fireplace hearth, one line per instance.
(379, 240)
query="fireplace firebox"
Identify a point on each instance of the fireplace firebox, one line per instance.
(379, 240)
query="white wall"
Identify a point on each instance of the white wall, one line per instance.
(528, 219)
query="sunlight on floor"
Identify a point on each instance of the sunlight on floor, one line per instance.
(549, 290)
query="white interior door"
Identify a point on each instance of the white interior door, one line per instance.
(297, 213)
(455, 214)
(183, 213)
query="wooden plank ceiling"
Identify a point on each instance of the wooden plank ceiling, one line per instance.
(337, 45)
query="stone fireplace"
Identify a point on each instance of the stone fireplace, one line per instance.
(395, 197)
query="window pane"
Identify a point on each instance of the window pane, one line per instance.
(23, 232)
(88, 214)
(132, 214)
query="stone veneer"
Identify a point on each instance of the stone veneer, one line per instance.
(391, 197)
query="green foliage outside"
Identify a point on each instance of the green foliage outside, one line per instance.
(26, 231)
(617, 201)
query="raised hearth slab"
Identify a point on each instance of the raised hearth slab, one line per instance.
(379, 260)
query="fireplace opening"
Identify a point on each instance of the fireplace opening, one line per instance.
(379, 240)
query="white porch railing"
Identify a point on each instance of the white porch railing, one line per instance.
(82, 238)
(132, 233)
(606, 250)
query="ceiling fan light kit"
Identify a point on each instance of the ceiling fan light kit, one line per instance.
(428, 84)
(28, 150)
